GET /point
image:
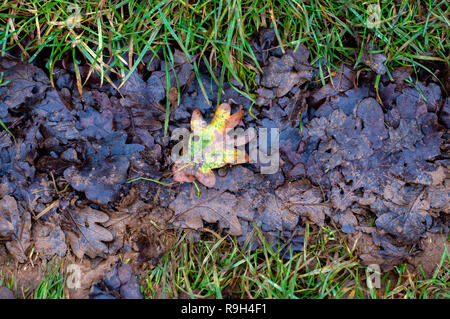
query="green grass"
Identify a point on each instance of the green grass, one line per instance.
(327, 268)
(53, 284)
(8, 283)
(217, 267)
(113, 36)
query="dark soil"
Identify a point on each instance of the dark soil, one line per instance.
(377, 167)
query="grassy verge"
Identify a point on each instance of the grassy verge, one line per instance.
(327, 268)
(219, 268)
(114, 36)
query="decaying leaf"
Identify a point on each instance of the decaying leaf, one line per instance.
(407, 224)
(49, 240)
(138, 93)
(274, 214)
(15, 225)
(26, 86)
(210, 147)
(286, 72)
(118, 282)
(302, 200)
(106, 168)
(375, 62)
(88, 236)
(211, 206)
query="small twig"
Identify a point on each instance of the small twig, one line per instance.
(47, 209)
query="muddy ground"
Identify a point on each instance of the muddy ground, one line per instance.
(375, 166)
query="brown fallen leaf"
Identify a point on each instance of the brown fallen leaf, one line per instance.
(15, 225)
(374, 60)
(286, 72)
(89, 236)
(49, 240)
(305, 201)
(173, 97)
(211, 206)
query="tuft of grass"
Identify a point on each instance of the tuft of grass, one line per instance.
(53, 283)
(327, 268)
(114, 36)
(8, 283)
(411, 285)
(219, 267)
(50, 287)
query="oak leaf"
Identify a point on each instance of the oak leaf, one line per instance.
(211, 146)
(89, 235)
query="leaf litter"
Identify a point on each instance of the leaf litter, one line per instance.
(375, 166)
